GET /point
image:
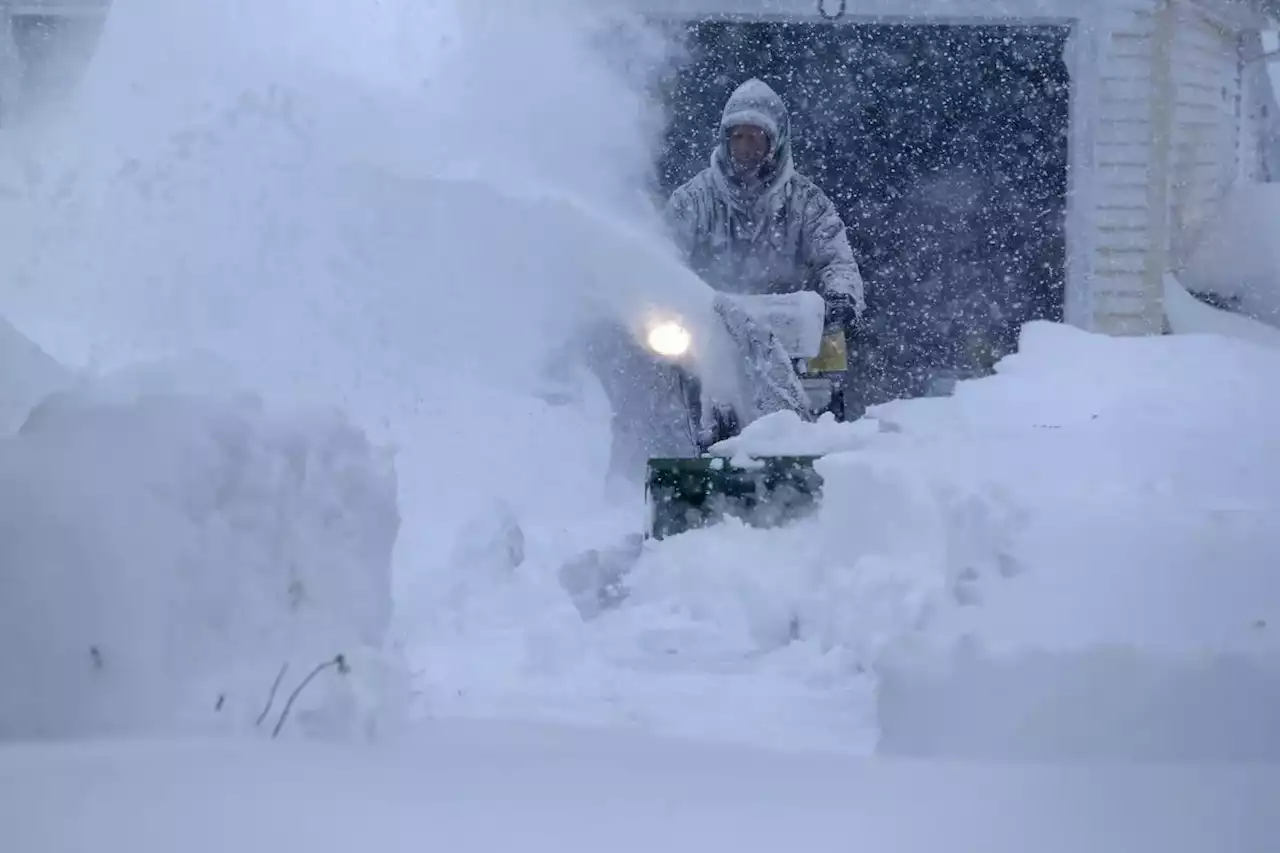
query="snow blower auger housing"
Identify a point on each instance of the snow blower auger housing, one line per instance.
(785, 334)
(686, 494)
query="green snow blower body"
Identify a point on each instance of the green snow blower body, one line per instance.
(689, 493)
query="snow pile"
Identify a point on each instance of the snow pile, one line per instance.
(1237, 257)
(1189, 315)
(165, 554)
(1103, 703)
(784, 434)
(487, 787)
(30, 374)
(1138, 616)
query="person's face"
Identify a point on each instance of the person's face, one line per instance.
(748, 146)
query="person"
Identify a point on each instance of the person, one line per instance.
(750, 223)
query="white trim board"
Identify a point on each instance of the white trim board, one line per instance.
(1024, 12)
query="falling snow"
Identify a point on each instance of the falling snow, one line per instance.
(945, 150)
(319, 353)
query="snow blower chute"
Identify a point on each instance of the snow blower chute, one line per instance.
(789, 360)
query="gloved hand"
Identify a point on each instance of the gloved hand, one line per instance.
(841, 309)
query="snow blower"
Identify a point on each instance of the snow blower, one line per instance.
(789, 360)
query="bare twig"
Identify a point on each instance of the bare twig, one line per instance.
(339, 661)
(272, 697)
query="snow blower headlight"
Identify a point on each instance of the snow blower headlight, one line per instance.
(669, 339)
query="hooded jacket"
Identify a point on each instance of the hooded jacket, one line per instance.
(777, 235)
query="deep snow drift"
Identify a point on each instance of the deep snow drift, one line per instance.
(166, 554)
(1188, 314)
(1124, 602)
(31, 374)
(1235, 256)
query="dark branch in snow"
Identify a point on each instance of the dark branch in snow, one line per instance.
(339, 661)
(271, 698)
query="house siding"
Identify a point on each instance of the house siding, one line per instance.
(1207, 136)
(1183, 117)
(1122, 220)
(1260, 134)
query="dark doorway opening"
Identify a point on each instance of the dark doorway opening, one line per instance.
(945, 149)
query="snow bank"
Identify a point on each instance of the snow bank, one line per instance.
(1106, 703)
(1237, 257)
(1190, 316)
(164, 554)
(497, 788)
(1124, 600)
(30, 374)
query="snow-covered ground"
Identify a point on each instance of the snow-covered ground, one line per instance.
(410, 212)
(484, 787)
